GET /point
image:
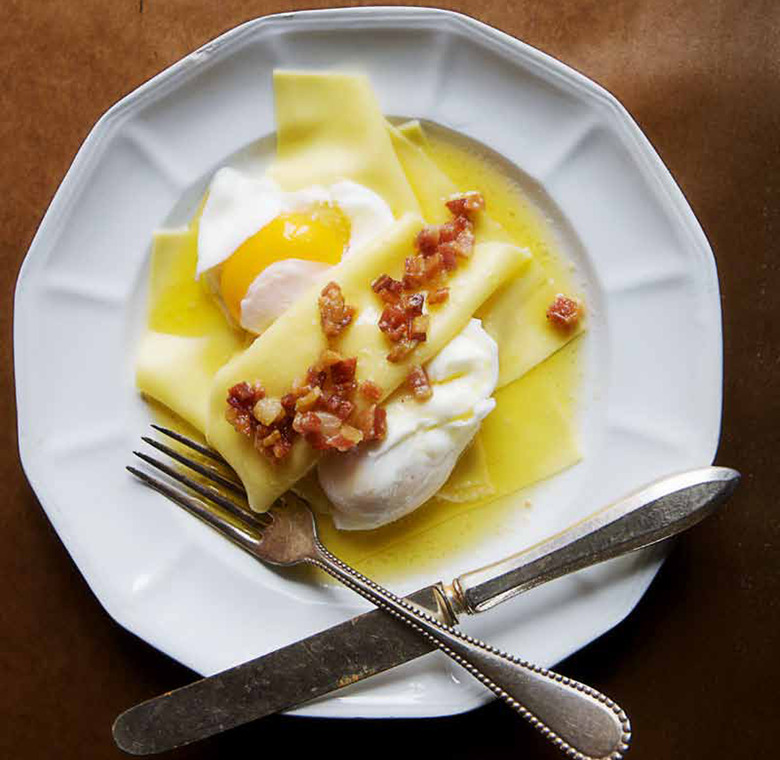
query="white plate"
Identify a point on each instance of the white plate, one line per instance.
(652, 358)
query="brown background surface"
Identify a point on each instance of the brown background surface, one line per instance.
(696, 664)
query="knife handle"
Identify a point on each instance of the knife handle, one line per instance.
(579, 720)
(656, 512)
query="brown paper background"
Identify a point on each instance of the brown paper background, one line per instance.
(696, 664)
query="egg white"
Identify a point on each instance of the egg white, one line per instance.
(275, 289)
(236, 208)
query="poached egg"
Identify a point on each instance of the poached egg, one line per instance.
(383, 482)
(260, 247)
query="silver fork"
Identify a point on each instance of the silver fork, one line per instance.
(579, 720)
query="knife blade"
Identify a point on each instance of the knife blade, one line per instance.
(374, 641)
(343, 654)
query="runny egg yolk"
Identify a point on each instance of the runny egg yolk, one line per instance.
(320, 235)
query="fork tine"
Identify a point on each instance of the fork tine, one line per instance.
(248, 521)
(194, 445)
(245, 537)
(208, 472)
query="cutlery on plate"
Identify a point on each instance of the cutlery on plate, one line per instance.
(576, 718)
(579, 720)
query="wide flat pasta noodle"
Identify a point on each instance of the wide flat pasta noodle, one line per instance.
(330, 127)
(295, 341)
(179, 304)
(433, 187)
(470, 480)
(515, 317)
(188, 338)
(178, 371)
(530, 435)
(413, 130)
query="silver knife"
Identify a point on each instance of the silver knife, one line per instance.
(374, 641)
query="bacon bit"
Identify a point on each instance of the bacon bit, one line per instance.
(413, 304)
(244, 396)
(405, 325)
(322, 430)
(307, 422)
(241, 400)
(465, 243)
(328, 358)
(427, 240)
(467, 203)
(449, 257)
(438, 296)
(401, 350)
(288, 402)
(261, 419)
(449, 254)
(434, 265)
(419, 328)
(241, 421)
(452, 229)
(418, 383)
(345, 390)
(257, 435)
(370, 390)
(339, 406)
(272, 438)
(347, 438)
(316, 377)
(414, 272)
(304, 403)
(380, 424)
(388, 289)
(393, 322)
(268, 410)
(281, 449)
(462, 245)
(335, 315)
(372, 422)
(564, 313)
(343, 371)
(364, 421)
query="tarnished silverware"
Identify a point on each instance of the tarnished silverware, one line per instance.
(579, 720)
(374, 642)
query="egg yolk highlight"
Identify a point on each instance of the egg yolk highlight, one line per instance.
(320, 235)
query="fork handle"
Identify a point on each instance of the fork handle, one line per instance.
(579, 720)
